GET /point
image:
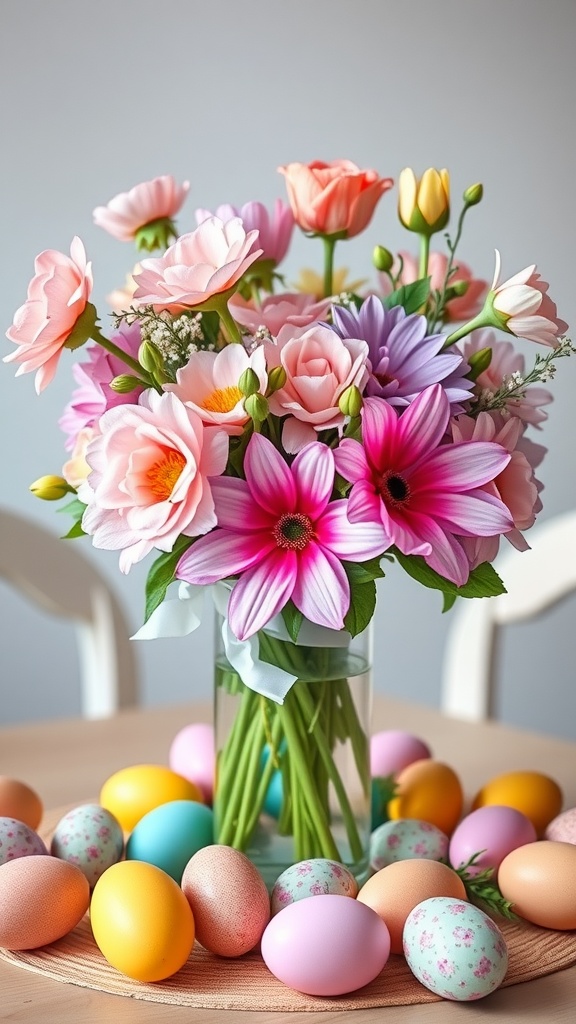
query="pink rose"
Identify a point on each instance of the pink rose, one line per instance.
(149, 481)
(57, 296)
(129, 211)
(208, 384)
(319, 367)
(333, 198)
(459, 309)
(274, 230)
(294, 308)
(204, 263)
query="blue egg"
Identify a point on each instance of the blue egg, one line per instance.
(169, 835)
(275, 792)
(381, 791)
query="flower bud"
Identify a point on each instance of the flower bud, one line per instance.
(382, 258)
(83, 328)
(249, 383)
(276, 379)
(125, 383)
(257, 407)
(479, 361)
(51, 488)
(350, 402)
(424, 205)
(457, 289)
(473, 194)
(151, 358)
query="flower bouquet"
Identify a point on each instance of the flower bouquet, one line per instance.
(275, 445)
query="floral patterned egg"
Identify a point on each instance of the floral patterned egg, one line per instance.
(18, 840)
(90, 837)
(562, 828)
(315, 877)
(454, 949)
(406, 839)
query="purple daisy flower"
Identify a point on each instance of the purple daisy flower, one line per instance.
(403, 359)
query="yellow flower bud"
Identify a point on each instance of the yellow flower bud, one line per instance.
(51, 488)
(424, 205)
(350, 402)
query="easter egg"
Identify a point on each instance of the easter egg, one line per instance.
(312, 878)
(539, 881)
(192, 755)
(170, 834)
(406, 839)
(396, 889)
(431, 791)
(90, 837)
(326, 945)
(454, 949)
(228, 898)
(491, 831)
(18, 840)
(141, 921)
(18, 800)
(391, 750)
(131, 792)
(535, 794)
(41, 900)
(562, 828)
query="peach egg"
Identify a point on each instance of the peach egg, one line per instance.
(18, 800)
(428, 790)
(538, 879)
(42, 898)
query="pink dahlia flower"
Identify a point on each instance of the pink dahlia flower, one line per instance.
(274, 229)
(57, 296)
(319, 367)
(293, 308)
(204, 263)
(333, 198)
(280, 532)
(151, 465)
(504, 364)
(460, 308)
(208, 384)
(129, 211)
(423, 491)
(526, 307)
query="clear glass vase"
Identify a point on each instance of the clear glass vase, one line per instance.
(293, 778)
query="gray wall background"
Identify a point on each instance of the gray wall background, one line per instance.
(98, 97)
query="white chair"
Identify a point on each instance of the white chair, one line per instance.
(58, 577)
(535, 580)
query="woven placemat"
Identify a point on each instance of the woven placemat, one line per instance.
(244, 983)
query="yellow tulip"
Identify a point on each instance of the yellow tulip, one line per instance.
(424, 205)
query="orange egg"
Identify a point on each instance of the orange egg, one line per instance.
(536, 795)
(42, 898)
(538, 879)
(17, 800)
(431, 791)
(395, 890)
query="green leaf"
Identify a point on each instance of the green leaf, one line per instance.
(411, 296)
(210, 324)
(363, 572)
(362, 607)
(74, 508)
(483, 581)
(161, 575)
(293, 619)
(448, 602)
(74, 531)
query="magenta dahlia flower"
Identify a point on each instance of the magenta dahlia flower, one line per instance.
(423, 491)
(279, 531)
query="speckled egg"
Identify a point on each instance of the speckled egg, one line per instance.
(454, 949)
(315, 877)
(18, 840)
(562, 829)
(406, 839)
(89, 837)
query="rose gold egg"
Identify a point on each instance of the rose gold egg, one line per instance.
(538, 879)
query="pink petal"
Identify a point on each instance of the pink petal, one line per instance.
(461, 467)
(313, 472)
(474, 514)
(379, 427)
(423, 424)
(364, 505)
(262, 592)
(235, 508)
(220, 554)
(322, 591)
(269, 478)
(352, 541)
(296, 435)
(350, 460)
(447, 555)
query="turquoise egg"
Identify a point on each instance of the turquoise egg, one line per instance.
(169, 835)
(275, 792)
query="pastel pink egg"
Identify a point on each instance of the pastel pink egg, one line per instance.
(391, 750)
(192, 755)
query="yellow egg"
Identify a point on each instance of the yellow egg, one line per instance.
(131, 792)
(431, 791)
(538, 879)
(141, 921)
(536, 795)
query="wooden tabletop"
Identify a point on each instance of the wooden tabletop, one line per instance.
(67, 762)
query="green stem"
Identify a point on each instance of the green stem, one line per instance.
(472, 325)
(115, 350)
(230, 324)
(329, 247)
(424, 255)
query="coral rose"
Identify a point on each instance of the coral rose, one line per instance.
(128, 212)
(57, 297)
(334, 198)
(149, 481)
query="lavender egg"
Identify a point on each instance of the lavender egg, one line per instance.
(492, 831)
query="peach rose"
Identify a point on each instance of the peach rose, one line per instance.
(129, 211)
(333, 198)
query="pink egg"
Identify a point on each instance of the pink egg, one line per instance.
(393, 749)
(493, 831)
(192, 755)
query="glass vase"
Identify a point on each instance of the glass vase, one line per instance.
(293, 778)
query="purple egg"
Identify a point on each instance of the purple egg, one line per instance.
(493, 832)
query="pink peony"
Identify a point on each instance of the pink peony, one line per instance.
(319, 367)
(506, 362)
(460, 308)
(129, 211)
(204, 263)
(57, 296)
(526, 307)
(149, 483)
(208, 384)
(294, 308)
(274, 230)
(333, 198)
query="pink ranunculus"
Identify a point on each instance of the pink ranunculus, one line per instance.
(333, 198)
(57, 296)
(151, 200)
(526, 307)
(151, 465)
(274, 229)
(319, 367)
(201, 264)
(504, 364)
(458, 309)
(208, 384)
(294, 308)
